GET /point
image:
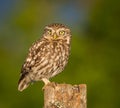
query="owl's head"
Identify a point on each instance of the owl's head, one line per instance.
(56, 32)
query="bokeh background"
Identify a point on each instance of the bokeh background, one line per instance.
(95, 51)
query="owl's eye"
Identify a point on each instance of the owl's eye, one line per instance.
(62, 32)
(49, 32)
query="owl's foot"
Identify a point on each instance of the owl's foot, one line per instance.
(50, 84)
(45, 80)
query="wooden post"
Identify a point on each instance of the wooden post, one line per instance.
(65, 96)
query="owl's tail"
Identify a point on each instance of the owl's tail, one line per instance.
(23, 83)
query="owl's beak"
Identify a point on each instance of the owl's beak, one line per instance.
(55, 36)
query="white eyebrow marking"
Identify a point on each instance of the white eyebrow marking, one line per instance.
(50, 28)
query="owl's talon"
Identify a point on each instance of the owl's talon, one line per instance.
(43, 88)
(52, 84)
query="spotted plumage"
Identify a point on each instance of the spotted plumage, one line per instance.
(47, 57)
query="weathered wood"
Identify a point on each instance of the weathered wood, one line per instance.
(65, 96)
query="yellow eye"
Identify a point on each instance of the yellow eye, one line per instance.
(49, 32)
(62, 32)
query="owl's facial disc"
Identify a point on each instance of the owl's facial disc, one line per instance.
(56, 33)
(50, 34)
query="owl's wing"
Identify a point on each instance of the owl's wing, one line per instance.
(34, 55)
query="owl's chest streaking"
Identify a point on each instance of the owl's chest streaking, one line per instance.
(46, 59)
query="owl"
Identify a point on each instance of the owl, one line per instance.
(47, 56)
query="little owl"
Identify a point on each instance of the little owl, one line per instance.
(47, 57)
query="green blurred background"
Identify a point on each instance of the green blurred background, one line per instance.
(95, 53)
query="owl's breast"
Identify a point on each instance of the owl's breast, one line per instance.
(51, 60)
(58, 57)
